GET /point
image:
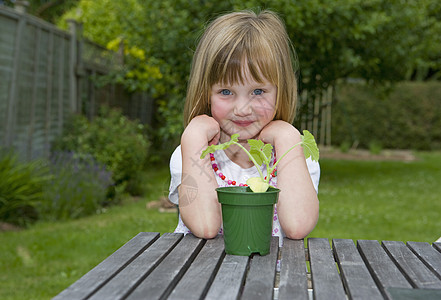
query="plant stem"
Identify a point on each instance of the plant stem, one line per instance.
(252, 159)
(268, 172)
(277, 162)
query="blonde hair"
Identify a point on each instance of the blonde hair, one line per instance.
(231, 41)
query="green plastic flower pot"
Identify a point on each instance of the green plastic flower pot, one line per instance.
(247, 219)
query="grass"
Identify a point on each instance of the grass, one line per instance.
(358, 200)
(382, 200)
(40, 262)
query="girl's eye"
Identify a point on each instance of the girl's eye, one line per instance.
(225, 92)
(258, 92)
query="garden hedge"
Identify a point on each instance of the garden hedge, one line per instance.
(408, 117)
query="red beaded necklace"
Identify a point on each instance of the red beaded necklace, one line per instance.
(229, 181)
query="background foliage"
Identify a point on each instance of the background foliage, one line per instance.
(381, 41)
(408, 118)
(21, 188)
(78, 187)
(49, 10)
(112, 140)
(64, 187)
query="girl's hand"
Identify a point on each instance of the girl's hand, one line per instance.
(278, 131)
(204, 127)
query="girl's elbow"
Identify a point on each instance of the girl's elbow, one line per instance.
(207, 231)
(296, 234)
(298, 231)
(211, 234)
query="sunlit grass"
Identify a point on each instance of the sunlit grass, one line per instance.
(381, 200)
(40, 262)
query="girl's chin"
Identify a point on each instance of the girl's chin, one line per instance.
(244, 135)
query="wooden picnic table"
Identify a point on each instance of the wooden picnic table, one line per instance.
(174, 266)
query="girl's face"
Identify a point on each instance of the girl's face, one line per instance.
(243, 108)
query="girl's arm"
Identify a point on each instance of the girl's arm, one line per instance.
(298, 205)
(200, 211)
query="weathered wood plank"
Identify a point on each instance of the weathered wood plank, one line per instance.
(326, 282)
(36, 62)
(414, 294)
(437, 246)
(293, 280)
(103, 272)
(11, 115)
(229, 279)
(430, 257)
(413, 269)
(260, 279)
(60, 86)
(49, 84)
(196, 281)
(359, 283)
(385, 273)
(164, 277)
(73, 61)
(129, 278)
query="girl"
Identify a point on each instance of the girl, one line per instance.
(242, 81)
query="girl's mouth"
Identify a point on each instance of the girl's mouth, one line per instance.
(243, 123)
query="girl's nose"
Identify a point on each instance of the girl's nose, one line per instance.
(243, 107)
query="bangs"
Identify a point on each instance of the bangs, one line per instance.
(247, 51)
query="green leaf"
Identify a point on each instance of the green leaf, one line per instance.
(309, 145)
(255, 149)
(255, 144)
(259, 151)
(213, 148)
(256, 154)
(267, 150)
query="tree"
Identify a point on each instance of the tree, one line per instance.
(381, 41)
(165, 32)
(48, 10)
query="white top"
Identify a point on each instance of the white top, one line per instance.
(234, 172)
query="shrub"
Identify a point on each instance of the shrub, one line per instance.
(409, 117)
(78, 187)
(111, 139)
(21, 187)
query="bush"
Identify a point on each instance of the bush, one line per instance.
(111, 139)
(78, 188)
(21, 187)
(409, 117)
(67, 187)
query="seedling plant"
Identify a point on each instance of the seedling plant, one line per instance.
(260, 153)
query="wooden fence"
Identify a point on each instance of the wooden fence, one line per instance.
(45, 76)
(314, 114)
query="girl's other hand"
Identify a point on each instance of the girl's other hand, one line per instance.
(278, 131)
(202, 126)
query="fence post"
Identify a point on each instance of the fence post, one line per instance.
(32, 119)
(12, 101)
(329, 115)
(21, 6)
(73, 58)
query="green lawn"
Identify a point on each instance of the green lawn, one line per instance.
(40, 262)
(358, 200)
(381, 200)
